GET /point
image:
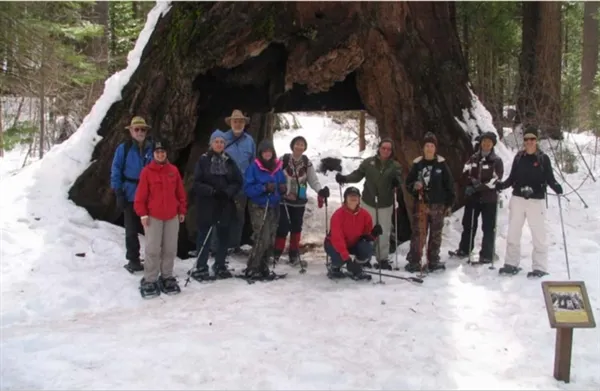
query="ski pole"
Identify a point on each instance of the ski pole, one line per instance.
(326, 231)
(396, 228)
(471, 238)
(498, 205)
(562, 225)
(341, 196)
(412, 279)
(195, 266)
(378, 238)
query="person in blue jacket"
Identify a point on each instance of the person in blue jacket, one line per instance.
(240, 146)
(264, 185)
(130, 157)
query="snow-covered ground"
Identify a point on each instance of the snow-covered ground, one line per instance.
(78, 322)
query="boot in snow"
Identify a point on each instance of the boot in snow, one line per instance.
(169, 286)
(277, 255)
(294, 256)
(356, 271)
(433, 266)
(458, 253)
(383, 264)
(134, 266)
(149, 290)
(335, 272)
(221, 272)
(509, 270)
(412, 267)
(201, 274)
(536, 274)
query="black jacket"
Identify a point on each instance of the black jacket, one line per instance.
(440, 186)
(483, 169)
(210, 210)
(533, 170)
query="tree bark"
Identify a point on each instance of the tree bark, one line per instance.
(538, 100)
(399, 61)
(589, 59)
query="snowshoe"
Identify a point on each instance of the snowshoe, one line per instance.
(222, 273)
(508, 270)
(355, 271)
(303, 266)
(202, 274)
(536, 274)
(335, 273)
(367, 265)
(412, 267)
(193, 254)
(134, 266)
(458, 254)
(169, 286)
(149, 290)
(294, 258)
(362, 276)
(433, 266)
(383, 264)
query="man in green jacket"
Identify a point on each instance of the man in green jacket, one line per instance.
(383, 176)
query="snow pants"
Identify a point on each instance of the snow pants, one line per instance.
(263, 233)
(161, 248)
(383, 216)
(488, 224)
(362, 250)
(534, 211)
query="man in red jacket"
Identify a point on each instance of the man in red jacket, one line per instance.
(351, 233)
(160, 201)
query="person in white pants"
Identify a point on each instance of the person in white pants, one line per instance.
(530, 173)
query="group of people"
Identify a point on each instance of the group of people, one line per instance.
(234, 175)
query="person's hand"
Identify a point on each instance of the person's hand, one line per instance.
(339, 178)
(395, 182)
(418, 185)
(145, 221)
(270, 187)
(558, 189)
(469, 191)
(377, 230)
(324, 192)
(181, 218)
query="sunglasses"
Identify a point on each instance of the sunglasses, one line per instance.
(139, 130)
(530, 139)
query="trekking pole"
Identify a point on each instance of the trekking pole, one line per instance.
(189, 273)
(396, 229)
(341, 196)
(422, 229)
(326, 231)
(260, 230)
(412, 279)
(471, 238)
(562, 225)
(378, 238)
(287, 212)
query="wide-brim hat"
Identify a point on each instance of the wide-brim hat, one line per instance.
(236, 114)
(138, 122)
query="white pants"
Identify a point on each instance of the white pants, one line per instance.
(534, 211)
(382, 249)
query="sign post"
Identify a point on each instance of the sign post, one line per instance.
(568, 307)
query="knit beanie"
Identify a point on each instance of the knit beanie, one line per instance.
(490, 136)
(216, 134)
(430, 138)
(530, 131)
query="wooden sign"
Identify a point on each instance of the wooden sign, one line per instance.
(568, 307)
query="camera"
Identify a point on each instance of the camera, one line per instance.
(526, 191)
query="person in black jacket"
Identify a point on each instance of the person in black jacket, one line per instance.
(530, 173)
(431, 184)
(480, 175)
(217, 180)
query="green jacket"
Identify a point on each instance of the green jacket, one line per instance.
(378, 177)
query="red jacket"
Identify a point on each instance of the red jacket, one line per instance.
(160, 193)
(347, 227)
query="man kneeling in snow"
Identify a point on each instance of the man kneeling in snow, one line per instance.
(351, 232)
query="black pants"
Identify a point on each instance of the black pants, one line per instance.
(292, 223)
(222, 233)
(363, 250)
(133, 226)
(488, 216)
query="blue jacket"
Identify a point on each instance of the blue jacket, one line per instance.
(257, 177)
(242, 151)
(126, 176)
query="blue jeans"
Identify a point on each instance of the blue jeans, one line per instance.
(363, 250)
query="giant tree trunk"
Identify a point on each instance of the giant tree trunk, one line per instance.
(538, 100)
(589, 59)
(400, 61)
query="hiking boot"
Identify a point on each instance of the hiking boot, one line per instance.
(294, 257)
(459, 253)
(277, 255)
(412, 267)
(433, 266)
(383, 264)
(509, 269)
(149, 289)
(335, 272)
(169, 285)
(135, 266)
(536, 273)
(201, 273)
(222, 272)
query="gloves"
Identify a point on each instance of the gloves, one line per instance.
(558, 189)
(366, 238)
(395, 182)
(418, 185)
(339, 178)
(526, 192)
(324, 192)
(220, 195)
(353, 267)
(377, 230)
(270, 187)
(500, 186)
(120, 195)
(475, 182)
(469, 191)
(282, 188)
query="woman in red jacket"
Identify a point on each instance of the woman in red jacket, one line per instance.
(160, 201)
(351, 233)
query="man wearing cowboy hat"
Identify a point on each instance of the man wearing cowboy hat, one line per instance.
(130, 157)
(240, 146)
